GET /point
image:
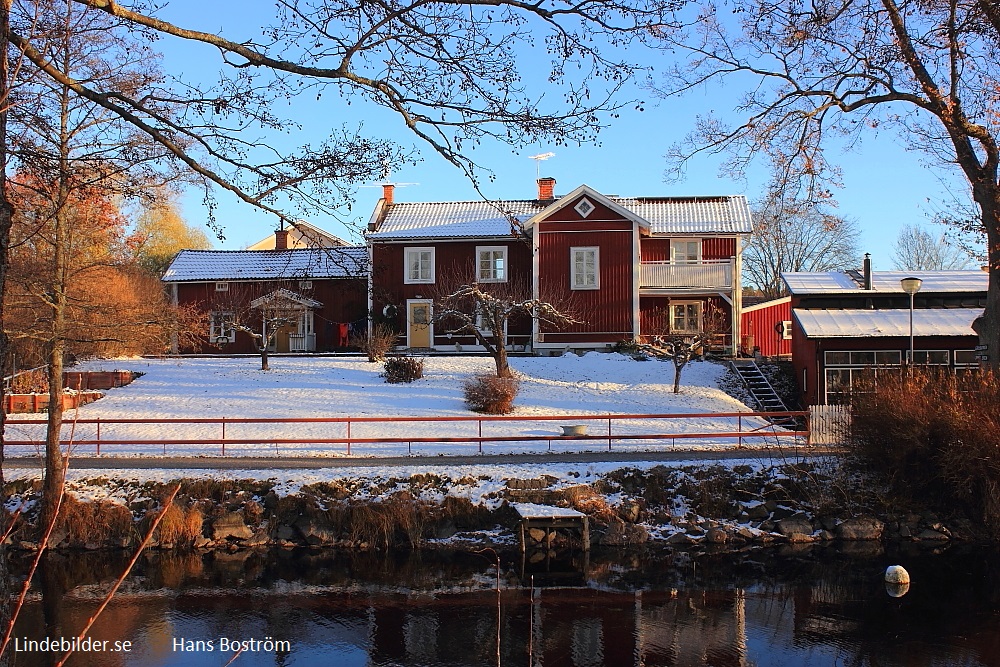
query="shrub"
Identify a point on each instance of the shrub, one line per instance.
(378, 345)
(403, 369)
(934, 438)
(490, 394)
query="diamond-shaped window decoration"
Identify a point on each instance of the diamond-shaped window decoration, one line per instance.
(584, 208)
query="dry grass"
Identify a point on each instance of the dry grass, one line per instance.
(935, 439)
(584, 498)
(100, 523)
(378, 345)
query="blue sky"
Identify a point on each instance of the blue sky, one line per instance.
(885, 187)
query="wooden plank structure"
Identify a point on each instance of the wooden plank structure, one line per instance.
(551, 519)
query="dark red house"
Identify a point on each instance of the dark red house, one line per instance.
(322, 291)
(767, 328)
(627, 267)
(845, 324)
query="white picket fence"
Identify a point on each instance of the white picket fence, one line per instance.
(829, 424)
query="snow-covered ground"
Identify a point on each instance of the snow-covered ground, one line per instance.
(571, 386)
(302, 387)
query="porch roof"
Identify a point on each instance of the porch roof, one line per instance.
(285, 295)
(857, 323)
(885, 282)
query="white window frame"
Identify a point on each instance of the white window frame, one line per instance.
(687, 259)
(222, 287)
(670, 316)
(786, 330)
(882, 361)
(305, 284)
(217, 326)
(504, 268)
(421, 280)
(575, 282)
(584, 205)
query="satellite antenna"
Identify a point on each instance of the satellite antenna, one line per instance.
(538, 161)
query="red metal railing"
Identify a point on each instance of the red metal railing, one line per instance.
(748, 427)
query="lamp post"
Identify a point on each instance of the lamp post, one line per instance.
(911, 286)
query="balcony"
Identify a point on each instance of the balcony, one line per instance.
(710, 273)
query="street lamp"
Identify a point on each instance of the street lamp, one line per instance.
(911, 286)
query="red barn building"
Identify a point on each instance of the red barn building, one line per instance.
(323, 290)
(627, 267)
(848, 323)
(767, 328)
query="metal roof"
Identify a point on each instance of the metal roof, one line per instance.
(469, 219)
(886, 282)
(858, 323)
(298, 263)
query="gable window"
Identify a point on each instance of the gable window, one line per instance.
(220, 327)
(685, 317)
(584, 207)
(685, 252)
(491, 264)
(584, 268)
(221, 287)
(418, 265)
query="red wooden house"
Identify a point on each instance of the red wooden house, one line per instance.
(322, 291)
(845, 324)
(767, 328)
(626, 267)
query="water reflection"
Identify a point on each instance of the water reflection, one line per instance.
(652, 608)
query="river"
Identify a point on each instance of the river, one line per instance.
(774, 606)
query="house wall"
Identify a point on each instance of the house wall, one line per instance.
(454, 265)
(657, 249)
(760, 321)
(653, 318)
(606, 313)
(344, 300)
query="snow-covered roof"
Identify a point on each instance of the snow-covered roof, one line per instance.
(858, 323)
(885, 282)
(477, 219)
(201, 265)
(285, 296)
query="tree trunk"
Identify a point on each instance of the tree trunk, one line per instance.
(677, 376)
(500, 357)
(263, 359)
(988, 326)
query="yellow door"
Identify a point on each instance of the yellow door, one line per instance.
(420, 323)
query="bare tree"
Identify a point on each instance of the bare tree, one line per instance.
(680, 349)
(796, 236)
(916, 250)
(261, 316)
(464, 306)
(817, 71)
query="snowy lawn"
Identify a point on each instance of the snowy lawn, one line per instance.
(301, 387)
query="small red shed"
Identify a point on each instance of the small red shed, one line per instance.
(768, 327)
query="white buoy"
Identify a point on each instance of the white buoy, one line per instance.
(896, 574)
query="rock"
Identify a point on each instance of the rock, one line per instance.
(202, 542)
(757, 512)
(799, 538)
(904, 531)
(716, 536)
(793, 525)
(745, 533)
(932, 535)
(629, 511)
(897, 574)
(285, 533)
(315, 533)
(537, 534)
(825, 535)
(782, 512)
(864, 528)
(231, 526)
(624, 534)
(828, 523)
(680, 538)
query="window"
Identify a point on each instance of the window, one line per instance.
(221, 287)
(685, 317)
(846, 368)
(220, 328)
(305, 284)
(685, 252)
(931, 357)
(584, 207)
(419, 265)
(786, 330)
(584, 269)
(491, 263)
(966, 362)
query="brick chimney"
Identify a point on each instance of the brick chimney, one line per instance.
(546, 188)
(387, 192)
(281, 239)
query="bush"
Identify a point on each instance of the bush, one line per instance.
(935, 439)
(381, 342)
(403, 369)
(490, 394)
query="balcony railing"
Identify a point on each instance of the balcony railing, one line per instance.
(302, 342)
(713, 273)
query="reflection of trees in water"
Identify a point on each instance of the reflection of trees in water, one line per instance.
(670, 607)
